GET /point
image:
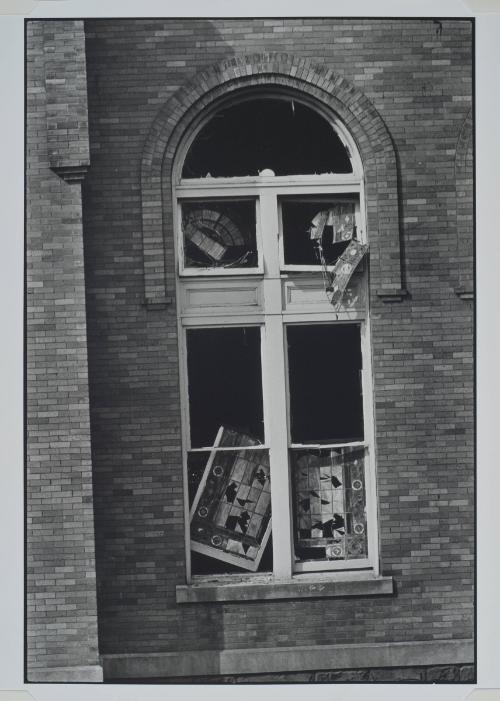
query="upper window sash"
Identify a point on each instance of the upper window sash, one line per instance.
(257, 188)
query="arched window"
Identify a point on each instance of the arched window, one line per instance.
(266, 132)
(274, 328)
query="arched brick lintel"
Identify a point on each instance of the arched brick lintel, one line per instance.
(283, 71)
(464, 175)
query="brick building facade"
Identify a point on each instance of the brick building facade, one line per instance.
(110, 104)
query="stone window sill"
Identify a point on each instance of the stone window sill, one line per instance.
(264, 588)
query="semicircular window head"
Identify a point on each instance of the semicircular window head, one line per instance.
(281, 135)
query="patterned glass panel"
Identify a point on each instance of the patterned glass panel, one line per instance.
(231, 510)
(219, 234)
(317, 227)
(329, 504)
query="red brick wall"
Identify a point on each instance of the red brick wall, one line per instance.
(418, 76)
(61, 586)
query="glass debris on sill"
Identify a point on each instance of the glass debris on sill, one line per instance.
(219, 234)
(231, 511)
(329, 504)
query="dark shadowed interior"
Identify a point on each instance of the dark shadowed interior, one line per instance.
(324, 364)
(281, 134)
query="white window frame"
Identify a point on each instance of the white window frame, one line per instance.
(273, 319)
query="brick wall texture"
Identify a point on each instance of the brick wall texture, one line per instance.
(61, 585)
(418, 75)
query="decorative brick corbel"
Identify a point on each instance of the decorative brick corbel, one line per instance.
(71, 173)
(388, 295)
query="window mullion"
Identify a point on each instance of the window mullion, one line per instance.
(275, 404)
(269, 227)
(275, 412)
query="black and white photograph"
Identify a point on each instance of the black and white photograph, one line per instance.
(250, 361)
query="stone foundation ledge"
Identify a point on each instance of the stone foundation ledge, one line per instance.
(81, 674)
(284, 660)
(446, 674)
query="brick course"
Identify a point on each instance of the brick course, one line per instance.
(419, 82)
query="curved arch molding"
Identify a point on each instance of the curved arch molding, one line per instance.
(284, 71)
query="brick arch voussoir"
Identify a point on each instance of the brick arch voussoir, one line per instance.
(299, 74)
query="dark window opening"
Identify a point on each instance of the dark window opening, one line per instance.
(308, 223)
(324, 366)
(225, 383)
(282, 135)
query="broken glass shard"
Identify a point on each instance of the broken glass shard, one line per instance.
(317, 226)
(219, 233)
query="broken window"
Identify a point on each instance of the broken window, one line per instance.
(324, 371)
(283, 135)
(316, 230)
(329, 504)
(275, 328)
(229, 489)
(219, 234)
(230, 506)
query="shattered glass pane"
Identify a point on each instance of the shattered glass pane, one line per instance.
(230, 497)
(344, 269)
(219, 234)
(316, 229)
(329, 504)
